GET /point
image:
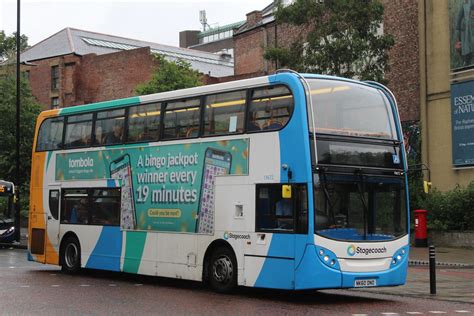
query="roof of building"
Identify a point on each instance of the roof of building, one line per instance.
(267, 17)
(219, 29)
(80, 42)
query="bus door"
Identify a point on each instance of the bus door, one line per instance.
(52, 223)
(279, 221)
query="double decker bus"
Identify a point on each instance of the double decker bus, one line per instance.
(288, 181)
(7, 212)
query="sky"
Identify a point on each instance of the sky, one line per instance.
(156, 21)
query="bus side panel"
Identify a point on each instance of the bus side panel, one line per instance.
(107, 251)
(38, 215)
(311, 273)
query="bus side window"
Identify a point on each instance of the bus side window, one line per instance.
(224, 113)
(181, 119)
(105, 207)
(50, 135)
(270, 108)
(78, 131)
(144, 122)
(54, 203)
(109, 127)
(273, 212)
(75, 206)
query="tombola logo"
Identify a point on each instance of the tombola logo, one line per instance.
(226, 235)
(351, 250)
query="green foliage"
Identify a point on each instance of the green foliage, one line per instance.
(29, 110)
(452, 210)
(8, 45)
(170, 76)
(342, 38)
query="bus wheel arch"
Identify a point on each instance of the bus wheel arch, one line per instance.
(70, 253)
(220, 266)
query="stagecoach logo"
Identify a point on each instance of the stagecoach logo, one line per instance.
(352, 250)
(228, 235)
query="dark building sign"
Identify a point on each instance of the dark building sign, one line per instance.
(462, 122)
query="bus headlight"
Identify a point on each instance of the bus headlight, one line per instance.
(327, 257)
(398, 256)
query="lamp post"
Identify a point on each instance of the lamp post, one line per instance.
(17, 204)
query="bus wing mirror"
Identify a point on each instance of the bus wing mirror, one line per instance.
(286, 191)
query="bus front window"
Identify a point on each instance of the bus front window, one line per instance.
(351, 109)
(358, 207)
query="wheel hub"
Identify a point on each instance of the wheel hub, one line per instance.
(71, 255)
(222, 269)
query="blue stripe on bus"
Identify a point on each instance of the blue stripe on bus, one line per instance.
(111, 183)
(282, 245)
(294, 143)
(311, 273)
(107, 251)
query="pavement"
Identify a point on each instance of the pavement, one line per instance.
(454, 274)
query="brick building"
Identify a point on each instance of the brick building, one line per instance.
(261, 31)
(75, 67)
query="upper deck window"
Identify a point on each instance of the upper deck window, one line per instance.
(78, 131)
(224, 113)
(345, 108)
(270, 108)
(50, 135)
(182, 119)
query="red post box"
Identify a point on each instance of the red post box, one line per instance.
(421, 230)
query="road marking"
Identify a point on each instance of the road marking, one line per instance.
(359, 314)
(437, 312)
(462, 311)
(390, 313)
(414, 313)
(84, 285)
(24, 286)
(112, 284)
(55, 285)
(12, 267)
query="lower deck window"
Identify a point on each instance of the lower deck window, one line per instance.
(97, 206)
(273, 212)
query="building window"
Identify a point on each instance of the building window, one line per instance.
(55, 78)
(54, 103)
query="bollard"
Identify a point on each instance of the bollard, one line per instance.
(432, 270)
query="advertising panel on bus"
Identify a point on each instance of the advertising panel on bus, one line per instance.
(165, 188)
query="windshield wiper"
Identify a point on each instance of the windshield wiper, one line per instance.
(360, 175)
(323, 181)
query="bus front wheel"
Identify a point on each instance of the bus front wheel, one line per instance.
(223, 270)
(71, 256)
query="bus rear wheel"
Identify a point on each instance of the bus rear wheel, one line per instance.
(71, 256)
(222, 270)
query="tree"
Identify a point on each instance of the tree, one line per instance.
(29, 110)
(341, 38)
(170, 76)
(8, 45)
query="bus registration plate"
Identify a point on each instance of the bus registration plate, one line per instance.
(365, 283)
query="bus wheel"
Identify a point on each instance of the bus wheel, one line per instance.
(71, 256)
(223, 270)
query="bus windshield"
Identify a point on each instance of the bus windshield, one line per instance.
(351, 109)
(360, 207)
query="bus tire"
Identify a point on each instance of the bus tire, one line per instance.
(222, 271)
(71, 256)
